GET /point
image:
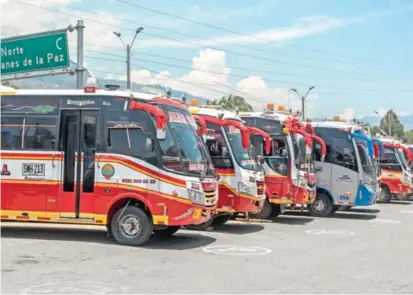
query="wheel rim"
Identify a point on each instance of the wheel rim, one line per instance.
(319, 205)
(130, 226)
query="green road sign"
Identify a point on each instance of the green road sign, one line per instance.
(37, 52)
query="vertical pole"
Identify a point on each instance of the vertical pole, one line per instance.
(303, 106)
(128, 83)
(79, 68)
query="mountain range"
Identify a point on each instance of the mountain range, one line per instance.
(69, 82)
(406, 120)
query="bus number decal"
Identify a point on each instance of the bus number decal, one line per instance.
(344, 198)
(33, 169)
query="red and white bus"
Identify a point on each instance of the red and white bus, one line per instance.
(241, 178)
(289, 166)
(124, 160)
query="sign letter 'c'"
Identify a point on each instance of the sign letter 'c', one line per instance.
(57, 43)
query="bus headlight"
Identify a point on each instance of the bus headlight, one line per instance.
(246, 189)
(196, 196)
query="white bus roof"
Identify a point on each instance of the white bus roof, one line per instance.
(389, 140)
(336, 125)
(214, 113)
(70, 92)
(264, 115)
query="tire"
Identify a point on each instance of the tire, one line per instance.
(266, 211)
(276, 210)
(385, 195)
(166, 232)
(221, 219)
(135, 216)
(200, 227)
(321, 207)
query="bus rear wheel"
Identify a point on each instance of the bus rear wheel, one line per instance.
(321, 207)
(131, 226)
(166, 232)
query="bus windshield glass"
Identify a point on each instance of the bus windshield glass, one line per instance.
(403, 159)
(183, 144)
(244, 157)
(366, 161)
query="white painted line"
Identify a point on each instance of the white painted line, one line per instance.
(236, 250)
(407, 211)
(384, 221)
(329, 232)
(74, 288)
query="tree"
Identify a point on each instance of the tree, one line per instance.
(391, 124)
(232, 103)
(375, 130)
(409, 136)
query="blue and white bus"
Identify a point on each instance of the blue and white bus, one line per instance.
(348, 176)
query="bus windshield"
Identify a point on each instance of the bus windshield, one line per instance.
(366, 162)
(188, 147)
(403, 159)
(244, 157)
(308, 163)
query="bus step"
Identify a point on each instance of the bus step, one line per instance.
(74, 219)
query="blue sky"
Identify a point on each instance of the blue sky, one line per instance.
(357, 53)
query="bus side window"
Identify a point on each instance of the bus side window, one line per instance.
(40, 133)
(343, 154)
(131, 142)
(11, 133)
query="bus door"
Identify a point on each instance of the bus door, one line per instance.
(78, 145)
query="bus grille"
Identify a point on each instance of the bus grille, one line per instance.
(210, 198)
(260, 187)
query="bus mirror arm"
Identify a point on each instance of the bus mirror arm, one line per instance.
(319, 169)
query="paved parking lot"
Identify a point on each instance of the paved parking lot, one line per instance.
(363, 251)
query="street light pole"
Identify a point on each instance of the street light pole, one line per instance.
(128, 55)
(303, 98)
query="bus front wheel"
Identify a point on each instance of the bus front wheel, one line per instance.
(321, 207)
(221, 219)
(131, 226)
(266, 211)
(385, 195)
(202, 226)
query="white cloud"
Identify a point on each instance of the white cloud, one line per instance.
(214, 85)
(348, 114)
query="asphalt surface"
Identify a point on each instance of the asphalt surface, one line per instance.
(363, 251)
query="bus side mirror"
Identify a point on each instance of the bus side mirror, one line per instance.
(160, 134)
(260, 160)
(149, 145)
(224, 152)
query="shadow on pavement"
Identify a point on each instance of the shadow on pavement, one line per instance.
(397, 202)
(286, 219)
(355, 216)
(238, 228)
(339, 215)
(179, 241)
(357, 210)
